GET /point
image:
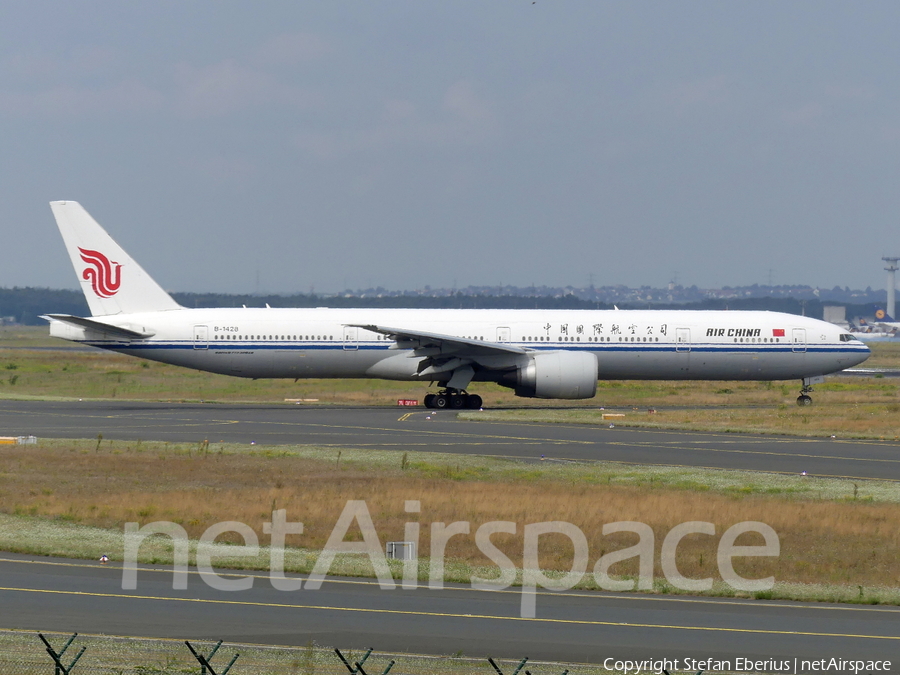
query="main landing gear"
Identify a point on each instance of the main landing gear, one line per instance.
(453, 399)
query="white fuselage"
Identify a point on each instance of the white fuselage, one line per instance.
(629, 344)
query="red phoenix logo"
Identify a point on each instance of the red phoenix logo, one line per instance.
(104, 275)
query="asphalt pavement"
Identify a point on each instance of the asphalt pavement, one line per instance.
(431, 431)
(63, 595)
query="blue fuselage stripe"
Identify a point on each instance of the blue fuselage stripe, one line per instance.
(180, 345)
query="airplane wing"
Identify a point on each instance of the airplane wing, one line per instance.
(432, 344)
(440, 354)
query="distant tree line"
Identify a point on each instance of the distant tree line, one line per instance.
(26, 305)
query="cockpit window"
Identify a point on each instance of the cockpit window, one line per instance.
(846, 337)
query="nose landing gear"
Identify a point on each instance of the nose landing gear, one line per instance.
(804, 399)
(453, 399)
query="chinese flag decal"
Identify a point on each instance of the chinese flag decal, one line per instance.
(778, 332)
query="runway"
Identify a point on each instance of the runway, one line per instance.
(577, 627)
(430, 431)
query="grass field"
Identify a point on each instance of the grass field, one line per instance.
(837, 538)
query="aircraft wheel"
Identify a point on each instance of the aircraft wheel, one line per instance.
(803, 400)
(458, 401)
(474, 401)
(429, 400)
(441, 401)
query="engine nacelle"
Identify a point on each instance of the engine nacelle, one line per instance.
(562, 374)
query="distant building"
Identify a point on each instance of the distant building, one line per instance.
(835, 314)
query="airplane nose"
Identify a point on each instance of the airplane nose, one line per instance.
(864, 354)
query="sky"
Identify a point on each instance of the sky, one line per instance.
(284, 147)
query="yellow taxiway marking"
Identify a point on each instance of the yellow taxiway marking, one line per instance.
(599, 595)
(451, 615)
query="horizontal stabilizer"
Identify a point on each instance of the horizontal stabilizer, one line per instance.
(99, 326)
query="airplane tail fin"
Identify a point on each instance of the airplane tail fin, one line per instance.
(112, 282)
(882, 315)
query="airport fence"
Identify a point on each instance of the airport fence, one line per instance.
(46, 653)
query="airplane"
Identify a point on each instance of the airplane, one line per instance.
(885, 321)
(546, 354)
(879, 332)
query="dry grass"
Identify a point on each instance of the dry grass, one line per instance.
(884, 355)
(841, 541)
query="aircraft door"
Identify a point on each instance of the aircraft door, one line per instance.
(798, 343)
(503, 334)
(201, 337)
(350, 339)
(682, 339)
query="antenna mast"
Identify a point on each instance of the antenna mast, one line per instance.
(892, 283)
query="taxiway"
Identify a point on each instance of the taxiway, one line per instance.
(430, 431)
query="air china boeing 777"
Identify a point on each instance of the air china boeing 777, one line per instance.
(538, 353)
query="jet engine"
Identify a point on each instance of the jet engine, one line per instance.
(562, 374)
